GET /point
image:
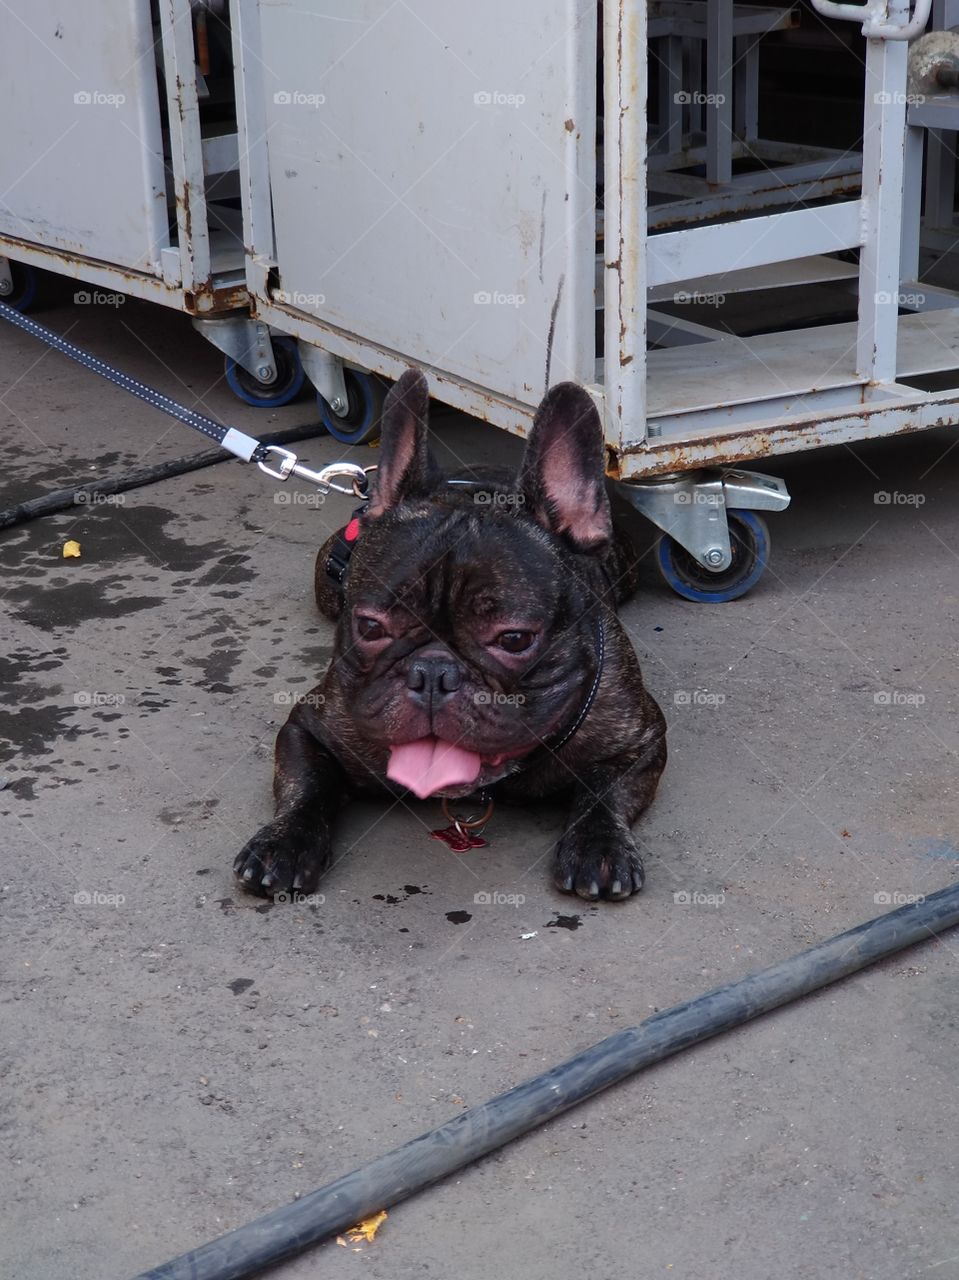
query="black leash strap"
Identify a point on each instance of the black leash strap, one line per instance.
(282, 463)
(236, 442)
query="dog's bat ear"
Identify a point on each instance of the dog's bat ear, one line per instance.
(406, 467)
(562, 477)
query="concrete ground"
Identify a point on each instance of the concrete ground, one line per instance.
(179, 1058)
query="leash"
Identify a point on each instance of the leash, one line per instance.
(272, 459)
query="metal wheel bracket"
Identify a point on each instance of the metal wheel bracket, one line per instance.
(244, 340)
(325, 371)
(6, 278)
(691, 507)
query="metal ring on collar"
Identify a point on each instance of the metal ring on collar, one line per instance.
(468, 824)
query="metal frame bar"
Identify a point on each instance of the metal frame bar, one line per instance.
(883, 163)
(701, 251)
(254, 146)
(624, 291)
(719, 91)
(189, 180)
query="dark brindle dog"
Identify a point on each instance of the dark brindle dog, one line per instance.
(477, 648)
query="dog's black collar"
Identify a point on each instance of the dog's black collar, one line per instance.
(549, 746)
(341, 550)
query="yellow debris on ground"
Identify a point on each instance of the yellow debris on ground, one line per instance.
(365, 1230)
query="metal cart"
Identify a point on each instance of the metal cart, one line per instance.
(468, 191)
(119, 167)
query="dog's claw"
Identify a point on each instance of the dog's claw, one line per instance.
(603, 866)
(279, 858)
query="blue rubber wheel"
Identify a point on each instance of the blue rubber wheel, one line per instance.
(749, 543)
(361, 422)
(24, 286)
(284, 387)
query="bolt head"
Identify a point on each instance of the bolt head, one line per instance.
(714, 556)
(338, 404)
(6, 286)
(264, 373)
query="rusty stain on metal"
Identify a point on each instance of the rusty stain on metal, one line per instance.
(613, 464)
(746, 446)
(183, 202)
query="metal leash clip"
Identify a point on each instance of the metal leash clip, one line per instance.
(323, 479)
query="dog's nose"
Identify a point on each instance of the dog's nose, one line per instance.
(433, 677)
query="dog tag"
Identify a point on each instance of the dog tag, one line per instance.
(459, 841)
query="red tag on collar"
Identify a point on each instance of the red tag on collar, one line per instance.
(352, 530)
(458, 840)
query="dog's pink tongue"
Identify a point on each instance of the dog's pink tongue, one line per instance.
(429, 765)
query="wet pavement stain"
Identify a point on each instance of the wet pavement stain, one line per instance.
(408, 889)
(458, 917)
(35, 731)
(565, 922)
(55, 607)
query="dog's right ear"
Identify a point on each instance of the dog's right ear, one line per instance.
(407, 469)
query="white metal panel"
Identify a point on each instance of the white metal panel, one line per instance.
(432, 174)
(81, 165)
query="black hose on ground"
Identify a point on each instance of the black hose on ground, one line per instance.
(84, 494)
(401, 1173)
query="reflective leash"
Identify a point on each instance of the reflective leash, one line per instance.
(248, 448)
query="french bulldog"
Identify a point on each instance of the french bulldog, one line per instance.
(477, 649)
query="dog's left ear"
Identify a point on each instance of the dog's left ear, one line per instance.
(563, 476)
(406, 467)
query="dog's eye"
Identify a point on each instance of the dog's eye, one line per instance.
(370, 629)
(515, 641)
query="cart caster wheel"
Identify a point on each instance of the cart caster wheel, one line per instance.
(284, 388)
(749, 541)
(24, 289)
(361, 422)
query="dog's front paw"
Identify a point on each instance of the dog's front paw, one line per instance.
(280, 860)
(598, 864)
